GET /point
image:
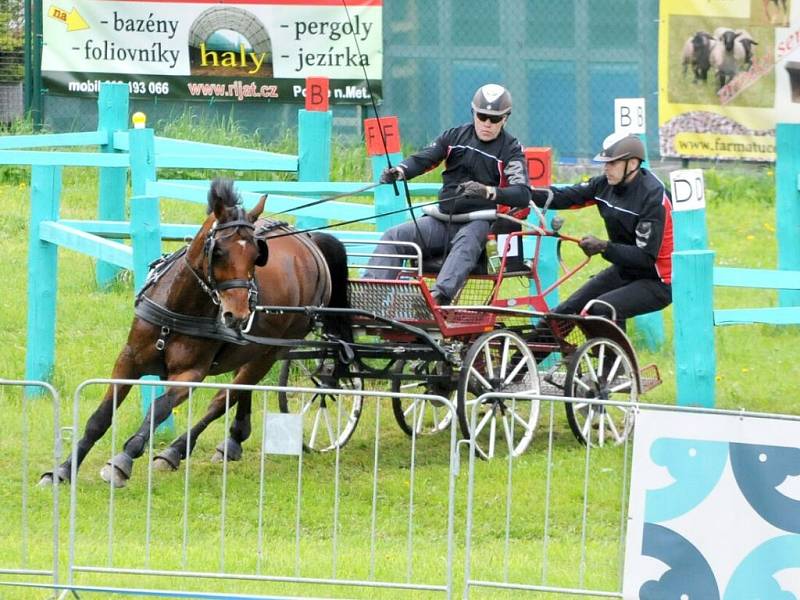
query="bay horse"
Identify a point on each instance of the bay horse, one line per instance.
(213, 285)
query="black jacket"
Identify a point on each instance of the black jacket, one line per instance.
(638, 219)
(499, 163)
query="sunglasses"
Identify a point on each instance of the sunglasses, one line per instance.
(491, 118)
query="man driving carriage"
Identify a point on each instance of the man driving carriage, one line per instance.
(637, 212)
(484, 169)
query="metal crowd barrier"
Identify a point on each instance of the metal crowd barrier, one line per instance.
(536, 528)
(30, 440)
(277, 524)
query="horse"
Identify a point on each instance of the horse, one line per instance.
(195, 315)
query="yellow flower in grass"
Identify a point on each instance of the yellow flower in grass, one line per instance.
(750, 237)
(769, 227)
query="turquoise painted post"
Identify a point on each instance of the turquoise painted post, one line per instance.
(314, 133)
(382, 137)
(384, 196)
(787, 204)
(690, 230)
(695, 355)
(145, 234)
(145, 222)
(650, 326)
(548, 267)
(112, 110)
(42, 277)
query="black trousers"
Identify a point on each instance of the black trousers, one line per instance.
(629, 297)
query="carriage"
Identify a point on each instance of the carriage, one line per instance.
(496, 336)
(230, 301)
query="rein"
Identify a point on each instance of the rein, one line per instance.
(350, 222)
(360, 190)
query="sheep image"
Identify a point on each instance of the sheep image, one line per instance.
(696, 52)
(722, 56)
(743, 49)
(719, 31)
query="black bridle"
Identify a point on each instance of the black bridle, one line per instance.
(209, 284)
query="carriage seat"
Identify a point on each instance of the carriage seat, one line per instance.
(433, 264)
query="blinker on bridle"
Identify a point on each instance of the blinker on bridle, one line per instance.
(212, 287)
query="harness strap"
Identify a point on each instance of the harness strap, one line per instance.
(212, 328)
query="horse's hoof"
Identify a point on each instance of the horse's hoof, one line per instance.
(117, 471)
(50, 478)
(112, 475)
(168, 460)
(46, 480)
(234, 451)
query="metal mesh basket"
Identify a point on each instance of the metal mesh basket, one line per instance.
(398, 300)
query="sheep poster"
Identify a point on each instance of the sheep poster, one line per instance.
(729, 70)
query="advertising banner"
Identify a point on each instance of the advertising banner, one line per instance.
(729, 70)
(714, 507)
(201, 50)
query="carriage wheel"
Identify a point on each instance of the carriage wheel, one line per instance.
(600, 369)
(329, 419)
(498, 361)
(423, 417)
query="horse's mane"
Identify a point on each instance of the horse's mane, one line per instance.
(222, 189)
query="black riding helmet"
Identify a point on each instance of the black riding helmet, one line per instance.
(619, 146)
(492, 99)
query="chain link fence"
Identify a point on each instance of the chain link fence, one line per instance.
(12, 69)
(564, 63)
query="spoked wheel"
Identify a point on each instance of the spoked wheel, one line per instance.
(600, 369)
(423, 417)
(328, 419)
(498, 361)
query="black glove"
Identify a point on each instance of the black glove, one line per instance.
(477, 190)
(392, 174)
(592, 245)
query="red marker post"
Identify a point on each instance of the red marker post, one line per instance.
(540, 166)
(317, 92)
(382, 137)
(540, 174)
(314, 132)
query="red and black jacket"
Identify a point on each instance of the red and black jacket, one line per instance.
(638, 219)
(499, 163)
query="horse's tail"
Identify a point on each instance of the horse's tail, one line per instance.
(336, 256)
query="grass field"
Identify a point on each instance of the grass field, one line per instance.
(754, 371)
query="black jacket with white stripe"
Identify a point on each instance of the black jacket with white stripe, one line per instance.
(499, 163)
(638, 219)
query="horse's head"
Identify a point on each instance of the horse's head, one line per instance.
(230, 253)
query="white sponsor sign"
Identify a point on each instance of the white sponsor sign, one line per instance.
(714, 508)
(629, 115)
(688, 189)
(282, 40)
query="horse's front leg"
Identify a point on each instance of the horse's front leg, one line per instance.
(231, 447)
(117, 471)
(251, 373)
(101, 418)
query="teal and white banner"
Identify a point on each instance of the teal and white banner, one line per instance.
(207, 50)
(714, 508)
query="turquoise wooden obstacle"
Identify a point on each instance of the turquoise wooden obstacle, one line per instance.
(694, 279)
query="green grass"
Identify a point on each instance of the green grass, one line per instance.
(753, 372)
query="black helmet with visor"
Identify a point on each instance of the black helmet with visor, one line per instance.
(492, 99)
